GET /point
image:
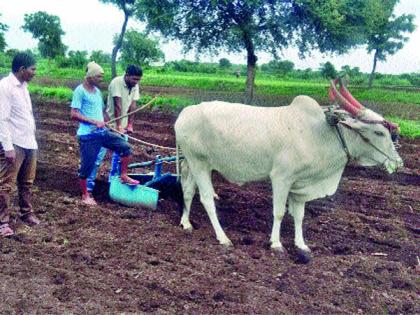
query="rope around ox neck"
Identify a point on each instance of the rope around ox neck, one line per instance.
(364, 138)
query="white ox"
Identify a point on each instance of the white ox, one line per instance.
(293, 146)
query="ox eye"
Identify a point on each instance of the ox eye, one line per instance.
(379, 133)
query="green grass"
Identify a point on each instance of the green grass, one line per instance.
(166, 103)
(275, 87)
(402, 106)
(65, 94)
(264, 84)
(57, 93)
(409, 128)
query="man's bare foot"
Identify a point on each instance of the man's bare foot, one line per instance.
(129, 181)
(88, 200)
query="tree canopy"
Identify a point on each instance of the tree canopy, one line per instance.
(385, 31)
(3, 28)
(100, 57)
(279, 67)
(47, 29)
(328, 70)
(129, 8)
(138, 49)
(224, 63)
(256, 25)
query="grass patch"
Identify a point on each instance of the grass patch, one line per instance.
(166, 103)
(409, 128)
(57, 93)
(394, 112)
(65, 94)
(275, 87)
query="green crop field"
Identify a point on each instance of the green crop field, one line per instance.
(399, 104)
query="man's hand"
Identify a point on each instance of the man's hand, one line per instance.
(130, 128)
(10, 156)
(99, 124)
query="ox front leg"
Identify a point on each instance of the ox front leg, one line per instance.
(279, 208)
(297, 210)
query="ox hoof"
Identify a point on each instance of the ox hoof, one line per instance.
(280, 252)
(303, 256)
(227, 244)
(188, 230)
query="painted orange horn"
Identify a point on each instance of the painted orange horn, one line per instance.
(342, 102)
(346, 94)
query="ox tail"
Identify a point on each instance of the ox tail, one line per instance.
(178, 175)
(181, 163)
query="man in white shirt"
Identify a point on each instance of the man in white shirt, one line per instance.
(123, 94)
(18, 146)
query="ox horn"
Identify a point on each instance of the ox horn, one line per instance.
(342, 102)
(346, 94)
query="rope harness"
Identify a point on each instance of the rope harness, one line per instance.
(336, 119)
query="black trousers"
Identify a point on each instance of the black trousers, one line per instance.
(91, 144)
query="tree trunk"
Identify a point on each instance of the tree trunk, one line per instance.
(251, 68)
(372, 74)
(250, 79)
(118, 44)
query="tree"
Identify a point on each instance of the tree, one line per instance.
(76, 59)
(129, 9)
(351, 72)
(224, 63)
(385, 31)
(100, 57)
(256, 25)
(138, 49)
(280, 67)
(3, 28)
(47, 29)
(328, 70)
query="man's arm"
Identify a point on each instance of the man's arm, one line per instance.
(117, 112)
(77, 115)
(5, 135)
(132, 108)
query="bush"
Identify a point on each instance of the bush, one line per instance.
(5, 61)
(191, 66)
(75, 59)
(414, 79)
(224, 63)
(328, 70)
(278, 67)
(100, 57)
(359, 80)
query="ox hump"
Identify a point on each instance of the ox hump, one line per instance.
(308, 105)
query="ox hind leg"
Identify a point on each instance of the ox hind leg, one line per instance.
(188, 188)
(202, 176)
(280, 192)
(297, 210)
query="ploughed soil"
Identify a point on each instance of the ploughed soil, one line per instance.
(112, 259)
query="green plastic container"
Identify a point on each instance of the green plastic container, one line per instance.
(133, 196)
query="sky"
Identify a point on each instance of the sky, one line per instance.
(90, 25)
